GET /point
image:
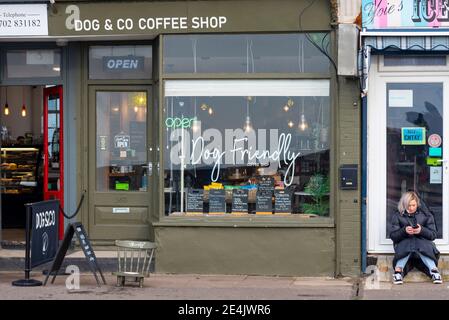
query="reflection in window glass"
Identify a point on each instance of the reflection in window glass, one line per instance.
(33, 63)
(121, 141)
(264, 53)
(247, 147)
(120, 62)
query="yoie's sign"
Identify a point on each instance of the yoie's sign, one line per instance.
(392, 14)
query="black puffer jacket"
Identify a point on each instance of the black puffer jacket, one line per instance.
(405, 244)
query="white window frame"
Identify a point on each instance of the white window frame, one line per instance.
(377, 156)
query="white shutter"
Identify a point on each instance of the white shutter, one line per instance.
(242, 88)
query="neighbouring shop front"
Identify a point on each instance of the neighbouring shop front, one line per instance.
(405, 51)
(215, 128)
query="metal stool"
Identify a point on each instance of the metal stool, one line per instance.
(133, 259)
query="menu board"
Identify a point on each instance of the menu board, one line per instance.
(266, 184)
(264, 203)
(194, 203)
(217, 201)
(282, 201)
(239, 201)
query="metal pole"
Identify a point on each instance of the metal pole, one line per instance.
(27, 282)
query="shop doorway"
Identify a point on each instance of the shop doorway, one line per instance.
(120, 162)
(31, 154)
(408, 123)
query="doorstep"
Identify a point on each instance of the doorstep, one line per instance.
(384, 263)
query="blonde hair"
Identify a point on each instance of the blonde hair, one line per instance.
(405, 201)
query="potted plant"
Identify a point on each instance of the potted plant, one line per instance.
(318, 189)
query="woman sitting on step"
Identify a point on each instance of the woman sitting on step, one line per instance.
(413, 232)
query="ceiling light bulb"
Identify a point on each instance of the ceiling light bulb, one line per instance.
(136, 109)
(6, 110)
(196, 125)
(286, 108)
(291, 124)
(211, 111)
(248, 126)
(303, 125)
(24, 111)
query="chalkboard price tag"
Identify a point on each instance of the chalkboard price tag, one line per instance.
(217, 201)
(282, 201)
(264, 204)
(266, 184)
(195, 201)
(239, 201)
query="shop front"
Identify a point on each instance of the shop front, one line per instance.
(217, 132)
(406, 53)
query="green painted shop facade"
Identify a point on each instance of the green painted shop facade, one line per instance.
(215, 128)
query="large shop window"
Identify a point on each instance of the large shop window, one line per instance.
(120, 62)
(121, 141)
(255, 53)
(36, 63)
(238, 147)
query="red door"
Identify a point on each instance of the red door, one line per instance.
(54, 149)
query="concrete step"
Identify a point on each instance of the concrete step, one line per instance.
(384, 264)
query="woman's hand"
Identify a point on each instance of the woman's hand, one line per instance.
(410, 230)
(417, 230)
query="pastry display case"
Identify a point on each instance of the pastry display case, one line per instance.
(19, 170)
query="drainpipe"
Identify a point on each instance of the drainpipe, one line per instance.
(364, 162)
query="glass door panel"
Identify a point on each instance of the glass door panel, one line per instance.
(121, 135)
(415, 147)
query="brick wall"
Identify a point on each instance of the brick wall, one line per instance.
(348, 206)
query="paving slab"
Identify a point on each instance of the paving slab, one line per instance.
(180, 287)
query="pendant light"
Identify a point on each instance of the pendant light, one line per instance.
(24, 108)
(6, 110)
(248, 127)
(303, 125)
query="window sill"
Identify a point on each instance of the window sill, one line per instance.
(250, 221)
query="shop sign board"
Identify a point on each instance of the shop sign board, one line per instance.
(164, 17)
(413, 136)
(397, 14)
(23, 20)
(44, 233)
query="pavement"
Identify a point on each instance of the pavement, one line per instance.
(202, 287)
(218, 287)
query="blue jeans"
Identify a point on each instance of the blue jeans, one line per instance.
(430, 264)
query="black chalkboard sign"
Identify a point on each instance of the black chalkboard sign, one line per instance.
(282, 201)
(195, 201)
(239, 201)
(217, 201)
(264, 204)
(78, 229)
(44, 231)
(266, 184)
